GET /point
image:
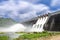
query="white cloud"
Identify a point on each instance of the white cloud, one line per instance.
(55, 3)
(28, 15)
(40, 7)
(22, 10)
(33, 12)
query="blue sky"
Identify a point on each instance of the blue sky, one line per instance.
(22, 10)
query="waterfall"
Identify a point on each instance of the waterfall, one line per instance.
(38, 27)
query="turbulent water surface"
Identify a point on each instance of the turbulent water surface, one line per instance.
(13, 28)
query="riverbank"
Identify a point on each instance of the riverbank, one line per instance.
(54, 37)
(30, 36)
(38, 36)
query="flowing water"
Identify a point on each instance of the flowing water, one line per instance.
(13, 28)
(38, 27)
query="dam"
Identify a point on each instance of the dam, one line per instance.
(38, 26)
(53, 22)
(49, 22)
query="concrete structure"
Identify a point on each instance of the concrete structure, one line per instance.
(53, 22)
(36, 24)
(50, 22)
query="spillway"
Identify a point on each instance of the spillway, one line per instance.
(38, 26)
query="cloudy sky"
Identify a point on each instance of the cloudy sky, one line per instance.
(22, 10)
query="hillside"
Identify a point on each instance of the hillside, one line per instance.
(5, 22)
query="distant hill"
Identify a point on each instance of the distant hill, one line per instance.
(5, 22)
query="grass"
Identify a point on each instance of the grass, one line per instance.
(4, 38)
(31, 36)
(34, 35)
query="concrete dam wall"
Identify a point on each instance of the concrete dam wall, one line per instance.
(53, 23)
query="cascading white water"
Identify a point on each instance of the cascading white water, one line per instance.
(14, 28)
(38, 27)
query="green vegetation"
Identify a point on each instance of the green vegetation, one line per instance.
(4, 22)
(4, 38)
(33, 36)
(1, 32)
